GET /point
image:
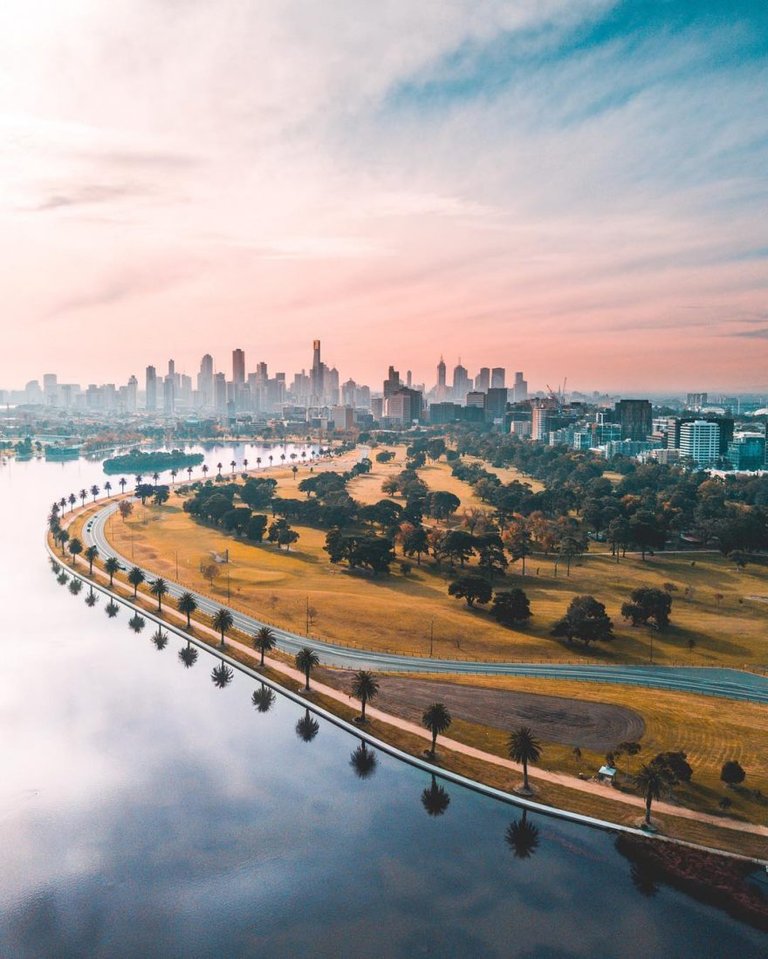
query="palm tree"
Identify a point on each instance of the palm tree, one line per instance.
(222, 675)
(187, 604)
(363, 761)
(188, 655)
(83, 496)
(95, 492)
(523, 747)
(72, 501)
(205, 470)
(263, 698)
(159, 588)
(223, 622)
(219, 467)
(108, 489)
(264, 641)
(63, 503)
(137, 623)
(63, 537)
(306, 660)
(160, 639)
(233, 464)
(307, 728)
(652, 781)
(258, 462)
(136, 577)
(189, 473)
(364, 687)
(174, 474)
(270, 458)
(139, 478)
(111, 609)
(155, 478)
(122, 484)
(522, 837)
(435, 799)
(90, 554)
(75, 548)
(437, 719)
(245, 464)
(111, 566)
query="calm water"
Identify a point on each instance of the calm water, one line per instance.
(145, 812)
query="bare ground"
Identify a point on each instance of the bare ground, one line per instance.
(555, 719)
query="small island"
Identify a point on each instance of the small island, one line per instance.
(155, 462)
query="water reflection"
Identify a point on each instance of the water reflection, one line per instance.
(137, 623)
(522, 837)
(435, 798)
(75, 586)
(188, 655)
(159, 639)
(307, 727)
(363, 760)
(263, 698)
(62, 578)
(111, 609)
(222, 675)
(91, 599)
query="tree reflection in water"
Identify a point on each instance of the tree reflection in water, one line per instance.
(222, 675)
(307, 727)
(188, 655)
(111, 609)
(137, 623)
(263, 698)
(435, 798)
(522, 837)
(75, 586)
(160, 639)
(363, 760)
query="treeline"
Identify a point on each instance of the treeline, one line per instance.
(139, 462)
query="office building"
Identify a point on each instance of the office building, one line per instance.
(700, 442)
(483, 380)
(461, 382)
(392, 383)
(540, 422)
(150, 384)
(747, 452)
(519, 389)
(635, 417)
(495, 404)
(238, 367)
(498, 378)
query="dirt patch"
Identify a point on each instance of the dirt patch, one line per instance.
(555, 719)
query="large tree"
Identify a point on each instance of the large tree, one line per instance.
(436, 719)
(472, 588)
(222, 622)
(264, 641)
(652, 780)
(187, 604)
(135, 577)
(585, 620)
(306, 660)
(524, 748)
(511, 607)
(365, 687)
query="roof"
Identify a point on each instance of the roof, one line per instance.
(606, 771)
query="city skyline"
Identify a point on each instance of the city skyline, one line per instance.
(574, 188)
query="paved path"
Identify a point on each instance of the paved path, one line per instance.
(444, 743)
(707, 681)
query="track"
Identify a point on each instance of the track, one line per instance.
(706, 681)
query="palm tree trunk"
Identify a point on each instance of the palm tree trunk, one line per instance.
(306, 673)
(525, 775)
(648, 802)
(189, 621)
(362, 712)
(434, 741)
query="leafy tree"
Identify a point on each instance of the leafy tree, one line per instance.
(111, 566)
(187, 605)
(646, 532)
(457, 545)
(125, 508)
(473, 589)
(75, 548)
(585, 620)
(222, 622)
(91, 554)
(364, 687)
(648, 604)
(257, 526)
(143, 491)
(619, 536)
(135, 577)
(517, 539)
(159, 588)
(264, 641)
(732, 773)
(511, 607)
(435, 799)
(676, 766)
(441, 504)
(492, 560)
(161, 495)
(306, 660)
(524, 748)
(436, 719)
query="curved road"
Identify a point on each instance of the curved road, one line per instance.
(707, 681)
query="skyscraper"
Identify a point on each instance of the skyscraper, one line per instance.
(483, 380)
(441, 374)
(520, 389)
(392, 382)
(238, 367)
(461, 383)
(498, 378)
(700, 442)
(636, 418)
(151, 388)
(316, 376)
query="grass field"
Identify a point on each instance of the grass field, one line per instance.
(716, 619)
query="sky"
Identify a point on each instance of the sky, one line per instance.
(572, 188)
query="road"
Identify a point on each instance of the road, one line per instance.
(707, 681)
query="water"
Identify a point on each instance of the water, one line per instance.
(145, 812)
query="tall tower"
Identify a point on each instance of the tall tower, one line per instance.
(151, 388)
(441, 373)
(316, 377)
(238, 367)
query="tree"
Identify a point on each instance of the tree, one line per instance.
(136, 577)
(222, 621)
(160, 639)
(143, 491)
(122, 484)
(111, 566)
(523, 747)
(187, 604)
(472, 588)
(435, 798)
(72, 500)
(188, 655)
(210, 571)
(442, 504)
(256, 528)
(646, 532)
(364, 687)
(732, 773)
(511, 607)
(675, 764)
(263, 698)
(522, 837)
(517, 539)
(490, 550)
(436, 719)
(222, 675)
(648, 603)
(585, 620)
(306, 660)
(161, 495)
(95, 492)
(457, 544)
(63, 536)
(264, 640)
(83, 496)
(108, 489)
(652, 780)
(90, 554)
(307, 727)
(159, 588)
(125, 508)
(363, 761)
(75, 548)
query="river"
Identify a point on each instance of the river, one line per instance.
(144, 812)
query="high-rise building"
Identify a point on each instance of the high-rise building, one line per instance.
(220, 393)
(392, 382)
(441, 374)
(51, 389)
(151, 388)
(747, 451)
(404, 406)
(520, 389)
(495, 404)
(238, 367)
(483, 380)
(540, 421)
(317, 375)
(498, 378)
(636, 418)
(169, 392)
(700, 442)
(205, 382)
(131, 393)
(696, 401)
(461, 382)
